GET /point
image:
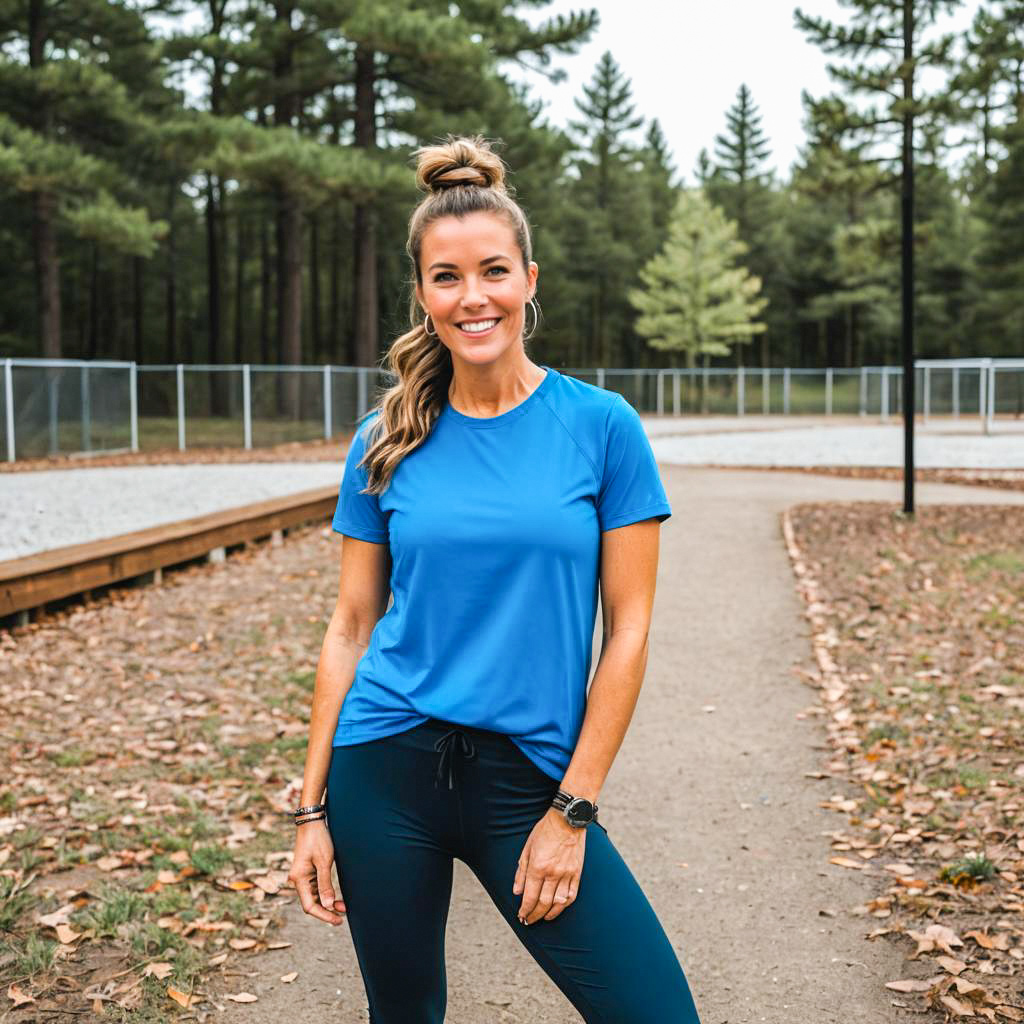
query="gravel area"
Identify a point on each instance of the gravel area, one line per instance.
(841, 446)
(51, 509)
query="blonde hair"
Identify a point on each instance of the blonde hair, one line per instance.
(463, 175)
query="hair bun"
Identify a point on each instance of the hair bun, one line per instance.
(461, 160)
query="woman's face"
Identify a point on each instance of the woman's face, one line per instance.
(474, 286)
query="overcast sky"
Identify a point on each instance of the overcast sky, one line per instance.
(687, 60)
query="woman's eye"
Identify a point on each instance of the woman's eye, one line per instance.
(447, 273)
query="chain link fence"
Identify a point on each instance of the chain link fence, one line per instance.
(61, 407)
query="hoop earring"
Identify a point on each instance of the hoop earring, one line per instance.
(536, 318)
(429, 333)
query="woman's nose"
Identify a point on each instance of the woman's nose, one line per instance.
(473, 295)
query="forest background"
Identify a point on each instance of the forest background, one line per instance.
(230, 182)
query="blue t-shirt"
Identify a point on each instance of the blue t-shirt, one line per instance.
(494, 526)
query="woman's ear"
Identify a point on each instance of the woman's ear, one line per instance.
(531, 279)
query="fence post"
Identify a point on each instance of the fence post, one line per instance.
(863, 402)
(990, 412)
(675, 392)
(956, 392)
(600, 376)
(133, 399)
(180, 376)
(740, 399)
(983, 396)
(9, 407)
(328, 424)
(361, 401)
(766, 387)
(785, 391)
(86, 409)
(926, 404)
(828, 390)
(53, 400)
(247, 403)
(885, 392)
(661, 396)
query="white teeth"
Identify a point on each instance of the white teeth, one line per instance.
(482, 325)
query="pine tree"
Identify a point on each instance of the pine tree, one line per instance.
(71, 95)
(696, 299)
(606, 214)
(742, 185)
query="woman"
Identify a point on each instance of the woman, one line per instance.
(489, 496)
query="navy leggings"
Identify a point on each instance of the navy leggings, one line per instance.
(399, 809)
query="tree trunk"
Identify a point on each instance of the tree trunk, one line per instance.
(170, 283)
(94, 302)
(316, 333)
(241, 247)
(365, 305)
(138, 306)
(338, 350)
(266, 285)
(47, 265)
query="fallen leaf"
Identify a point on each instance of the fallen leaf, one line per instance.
(242, 997)
(290, 977)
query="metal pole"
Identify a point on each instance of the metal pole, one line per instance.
(740, 401)
(766, 387)
(991, 397)
(675, 393)
(327, 403)
(927, 396)
(885, 392)
(982, 396)
(247, 403)
(53, 396)
(863, 390)
(361, 389)
(86, 409)
(9, 407)
(661, 395)
(133, 399)
(785, 391)
(600, 376)
(180, 370)
(956, 392)
(828, 390)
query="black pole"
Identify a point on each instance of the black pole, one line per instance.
(907, 251)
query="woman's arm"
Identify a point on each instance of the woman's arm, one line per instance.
(363, 593)
(629, 567)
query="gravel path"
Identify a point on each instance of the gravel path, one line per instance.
(708, 801)
(54, 508)
(839, 446)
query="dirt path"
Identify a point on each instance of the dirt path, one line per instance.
(711, 808)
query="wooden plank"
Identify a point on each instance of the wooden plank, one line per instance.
(36, 579)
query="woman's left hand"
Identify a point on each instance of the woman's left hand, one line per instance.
(549, 868)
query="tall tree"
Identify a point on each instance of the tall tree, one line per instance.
(604, 158)
(696, 298)
(73, 76)
(888, 47)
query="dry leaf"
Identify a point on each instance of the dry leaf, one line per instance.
(290, 977)
(242, 997)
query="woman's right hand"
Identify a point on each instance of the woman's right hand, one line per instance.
(311, 873)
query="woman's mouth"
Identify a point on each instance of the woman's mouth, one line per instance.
(478, 328)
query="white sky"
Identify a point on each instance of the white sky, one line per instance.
(686, 61)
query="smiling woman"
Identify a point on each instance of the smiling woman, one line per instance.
(491, 497)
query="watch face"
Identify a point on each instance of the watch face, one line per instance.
(580, 812)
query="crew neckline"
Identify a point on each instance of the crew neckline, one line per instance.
(509, 414)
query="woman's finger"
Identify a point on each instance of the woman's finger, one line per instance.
(305, 882)
(562, 899)
(544, 899)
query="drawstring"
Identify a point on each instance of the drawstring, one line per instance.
(447, 746)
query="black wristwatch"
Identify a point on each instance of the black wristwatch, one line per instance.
(578, 811)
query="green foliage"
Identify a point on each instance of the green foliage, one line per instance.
(695, 299)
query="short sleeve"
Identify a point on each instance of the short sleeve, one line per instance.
(631, 487)
(359, 515)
